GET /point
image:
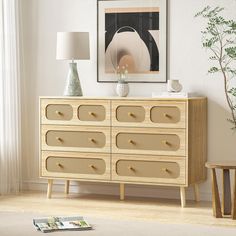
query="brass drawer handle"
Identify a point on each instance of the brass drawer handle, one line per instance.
(59, 165)
(59, 139)
(92, 167)
(92, 114)
(131, 168)
(92, 140)
(131, 114)
(167, 115)
(166, 143)
(165, 170)
(59, 113)
(131, 141)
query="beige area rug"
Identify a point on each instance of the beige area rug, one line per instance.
(20, 224)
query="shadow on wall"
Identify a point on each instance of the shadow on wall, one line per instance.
(221, 138)
(221, 142)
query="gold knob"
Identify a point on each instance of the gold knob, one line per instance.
(92, 113)
(165, 169)
(92, 140)
(166, 142)
(59, 139)
(167, 115)
(131, 141)
(59, 113)
(92, 166)
(131, 168)
(131, 114)
(60, 165)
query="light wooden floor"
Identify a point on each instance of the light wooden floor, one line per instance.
(110, 206)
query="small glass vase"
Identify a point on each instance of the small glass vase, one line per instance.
(122, 88)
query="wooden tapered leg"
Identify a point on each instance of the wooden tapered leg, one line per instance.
(226, 197)
(182, 196)
(122, 191)
(215, 196)
(49, 192)
(67, 186)
(196, 193)
(234, 199)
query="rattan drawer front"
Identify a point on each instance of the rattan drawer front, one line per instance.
(150, 169)
(76, 165)
(59, 112)
(153, 142)
(76, 138)
(148, 141)
(130, 113)
(91, 113)
(161, 114)
(69, 111)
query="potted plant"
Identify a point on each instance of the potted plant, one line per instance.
(219, 37)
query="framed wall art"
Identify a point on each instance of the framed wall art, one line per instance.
(132, 34)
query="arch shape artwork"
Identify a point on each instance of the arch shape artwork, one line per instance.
(132, 34)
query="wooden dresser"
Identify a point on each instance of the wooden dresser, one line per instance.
(124, 140)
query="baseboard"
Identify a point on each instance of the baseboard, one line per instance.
(113, 189)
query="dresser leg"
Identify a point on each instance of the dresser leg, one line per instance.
(196, 193)
(122, 191)
(67, 186)
(182, 196)
(49, 192)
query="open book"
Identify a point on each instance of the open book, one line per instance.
(49, 224)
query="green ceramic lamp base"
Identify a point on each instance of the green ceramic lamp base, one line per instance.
(73, 87)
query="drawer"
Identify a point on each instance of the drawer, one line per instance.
(148, 141)
(143, 141)
(130, 113)
(76, 165)
(76, 138)
(59, 112)
(157, 169)
(75, 112)
(91, 113)
(148, 169)
(163, 114)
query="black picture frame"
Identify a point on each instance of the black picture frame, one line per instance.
(135, 10)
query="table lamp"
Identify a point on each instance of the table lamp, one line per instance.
(73, 46)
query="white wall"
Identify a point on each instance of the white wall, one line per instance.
(44, 76)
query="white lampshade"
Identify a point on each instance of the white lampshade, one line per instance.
(73, 46)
